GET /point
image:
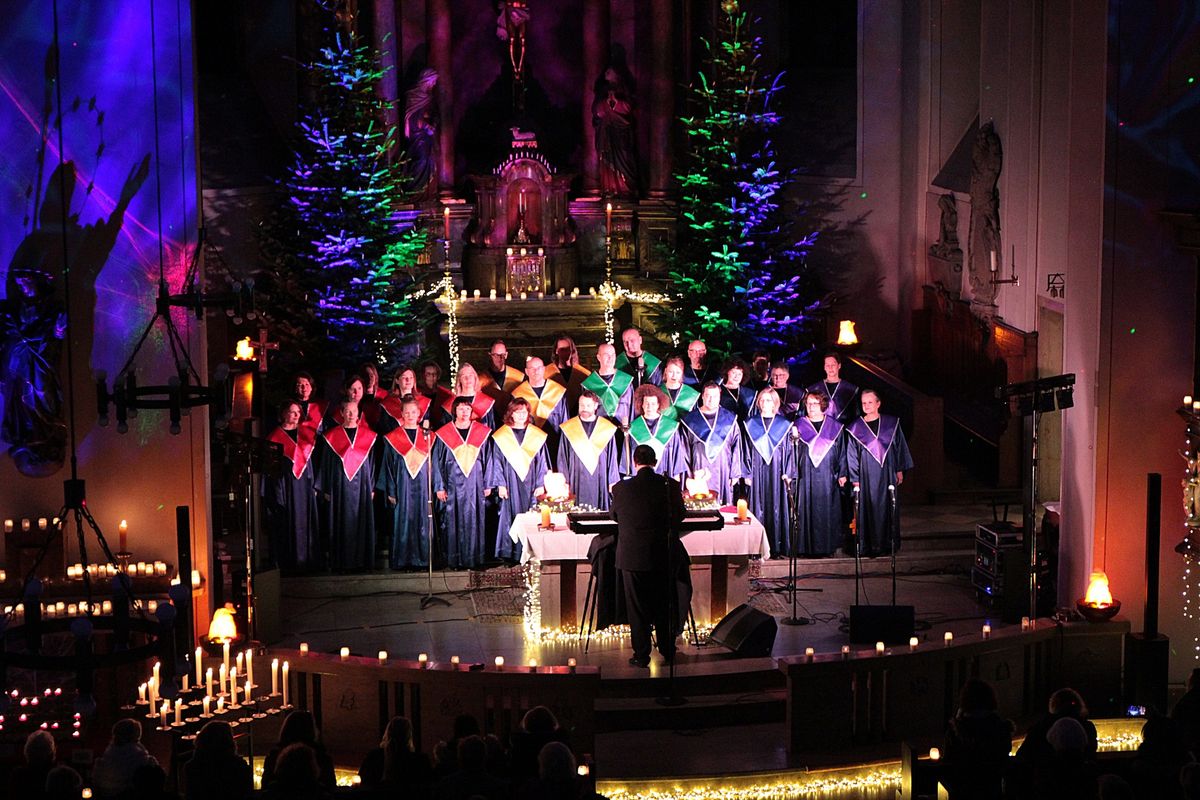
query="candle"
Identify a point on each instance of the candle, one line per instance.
(141, 693)
(106, 607)
(220, 705)
(249, 670)
(743, 510)
(233, 684)
(454, 661)
(199, 662)
(446, 223)
(524, 295)
(238, 661)
(571, 664)
(246, 693)
(304, 648)
(178, 712)
(499, 662)
(345, 653)
(152, 606)
(608, 219)
(123, 531)
(155, 670)
(43, 523)
(274, 677)
(934, 754)
(533, 665)
(208, 681)
(912, 644)
(185, 682)
(1024, 623)
(160, 569)
(1196, 405)
(492, 294)
(25, 525)
(845, 651)
(383, 656)
(285, 684)
(476, 293)
(879, 648)
(949, 638)
(225, 654)
(152, 685)
(207, 706)
(545, 517)
(987, 631)
(992, 255)
(162, 713)
(1187, 401)
(223, 676)
(233, 694)
(72, 610)
(8, 526)
(423, 660)
(195, 579)
(808, 654)
(508, 295)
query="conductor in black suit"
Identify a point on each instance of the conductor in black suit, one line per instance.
(648, 509)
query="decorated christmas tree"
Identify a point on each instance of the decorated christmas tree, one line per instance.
(347, 285)
(739, 279)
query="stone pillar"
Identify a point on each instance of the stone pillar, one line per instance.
(388, 44)
(661, 109)
(438, 37)
(595, 59)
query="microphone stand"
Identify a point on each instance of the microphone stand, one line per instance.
(430, 598)
(793, 530)
(671, 699)
(893, 532)
(858, 577)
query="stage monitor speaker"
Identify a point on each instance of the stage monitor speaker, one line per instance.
(746, 631)
(888, 624)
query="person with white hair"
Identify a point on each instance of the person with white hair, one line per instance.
(113, 771)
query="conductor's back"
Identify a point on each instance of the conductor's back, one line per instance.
(646, 507)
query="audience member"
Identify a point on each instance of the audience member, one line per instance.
(1189, 780)
(395, 765)
(113, 771)
(63, 783)
(216, 771)
(300, 727)
(471, 778)
(1069, 773)
(1187, 713)
(1159, 759)
(296, 776)
(556, 777)
(29, 779)
(445, 754)
(978, 741)
(149, 782)
(538, 728)
(1113, 787)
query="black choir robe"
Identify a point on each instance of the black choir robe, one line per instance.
(572, 382)
(769, 457)
(589, 455)
(716, 445)
(292, 521)
(345, 472)
(667, 439)
(517, 459)
(404, 481)
(819, 505)
(843, 400)
(697, 379)
(740, 402)
(874, 457)
(499, 386)
(459, 469)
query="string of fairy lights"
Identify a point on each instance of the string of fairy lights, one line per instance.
(1191, 503)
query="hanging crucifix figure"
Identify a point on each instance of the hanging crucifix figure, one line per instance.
(510, 27)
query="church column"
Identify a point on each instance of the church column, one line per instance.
(437, 34)
(662, 97)
(388, 44)
(595, 59)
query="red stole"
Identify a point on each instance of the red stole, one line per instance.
(465, 451)
(299, 451)
(312, 418)
(480, 406)
(352, 454)
(414, 451)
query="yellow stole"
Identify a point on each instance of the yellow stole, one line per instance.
(587, 449)
(519, 454)
(466, 451)
(541, 407)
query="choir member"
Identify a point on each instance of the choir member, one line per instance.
(466, 384)
(770, 466)
(373, 393)
(662, 433)
(681, 398)
(312, 409)
(697, 371)
(790, 396)
(498, 379)
(547, 399)
(291, 505)
(404, 480)
(346, 477)
(841, 393)
(611, 385)
(644, 367)
(823, 473)
(715, 443)
(517, 461)
(736, 396)
(589, 453)
(564, 368)
(431, 373)
(760, 370)
(878, 457)
(353, 390)
(459, 474)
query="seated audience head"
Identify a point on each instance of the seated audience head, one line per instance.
(1067, 703)
(1113, 787)
(299, 726)
(215, 739)
(472, 753)
(539, 719)
(977, 697)
(517, 413)
(398, 736)
(149, 780)
(126, 731)
(644, 456)
(556, 763)
(1067, 738)
(63, 782)
(297, 766)
(39, 748)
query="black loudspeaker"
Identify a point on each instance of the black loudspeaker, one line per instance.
(888, 624)
(746, 631)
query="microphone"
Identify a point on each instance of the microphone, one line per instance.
(795, 433)
(891, 487)
(856, 488)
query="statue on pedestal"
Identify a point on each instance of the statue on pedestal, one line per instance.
(984, 244)
(612, 117)
(420, 131)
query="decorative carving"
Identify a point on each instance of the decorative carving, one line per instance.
(420, 130)
(946, 247)
(612, 117)
(984, 238)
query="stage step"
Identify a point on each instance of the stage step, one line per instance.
(699, 712)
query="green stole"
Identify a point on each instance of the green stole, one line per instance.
(610, 393)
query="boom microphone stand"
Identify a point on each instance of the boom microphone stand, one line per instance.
(793, 489)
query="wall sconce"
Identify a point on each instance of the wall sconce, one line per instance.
(846, 335)
(1012, 267)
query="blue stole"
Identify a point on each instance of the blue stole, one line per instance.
(766, 440)
(714, 438)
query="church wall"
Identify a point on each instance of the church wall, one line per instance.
(108, 88)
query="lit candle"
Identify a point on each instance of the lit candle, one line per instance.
(508, 295)
(454, 661)
(208, 681)
(274, 677)
(123, 535)
(178, 712)
(949, 638)
(1196, 405)
(992, 254)
(571, 664)
(222, 677)
(225, 655)
(879, 648)
(220, 705)
(423, 660)
(160, 569)
(152, 685)
(809, 653)
(72, 610)
(249, 670)
(446, 223)
(185, 682)
(912, 644)
(499, 662)
(43, 523)
(106, 607)
(25, 525)
(987, 631)
(141, 693)
(533, 665)
(934, 754)
(383, 656)
(743, 510)
(608, 218)
(476, 294)
(86, 793)
(207, 706)
(1024, 623)
(152, 606)
(233, 694)
(285, 683)
(345, 653)
(199, 662)
(247, 693)
(1187, 399)
(304, 648)
(238, 660)
(233, 684)
(492, 294)
(8, 526)
(195, 579)
(156, 671)
(845, 651)
(546, 517)
(524, 295)
(162, 713)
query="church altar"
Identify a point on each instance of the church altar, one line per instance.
(720, 580)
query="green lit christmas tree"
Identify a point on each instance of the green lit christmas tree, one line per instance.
(346, 284)
(738, 278)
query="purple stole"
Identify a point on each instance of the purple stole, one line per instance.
(842, 394)
(877, 446)
(819, 443)
(714, 438)
(352, 454)
(767, 440)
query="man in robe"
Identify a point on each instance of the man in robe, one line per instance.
(789, 396)
(823, 473)
(547, 399)
(841, 393)
(715, 443)
(466, 384)
(459, 475)
(681, 397)
(660, 432)
(698, 371)
(644, 367)
(564, 368)
(312, 409)
(589, 454)
(291, 507)
(498, 379)
(404, 480)
(770, 467)
(612, 386)
(346, 478)
(517, 462)
(878, 457)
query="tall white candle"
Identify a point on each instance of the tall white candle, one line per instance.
(223, 676)
(249, 671)
(274, 676)
(207, 706)
(178, 712)
(285, 683)
(233, 684)
(208, 680)
(199, 665)
(162, 712)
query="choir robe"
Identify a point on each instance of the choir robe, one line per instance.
(312, 412)
(683, 400)
(333, 419)
(697, 379)
(459, 470)
(615, 392)
(668, 440)
(404, 475)
(843, 400)
(482, 408)
(873, 460)
(651, 368)
(517, 460)
(790, 400)
(346, 472)
(769, 457)
(572, 382)
(822, 461)
(292, 519)
(439, 399)
(371, 411)
(716, 447)
(589, 455)
(547, 405)
(742, 404)
(499, 386)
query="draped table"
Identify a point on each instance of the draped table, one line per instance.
(719, 565)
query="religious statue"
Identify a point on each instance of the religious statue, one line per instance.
(946, 247)
(984, 243)
(420, 130)
(33, 325)
(510, 27)
(612, 117)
